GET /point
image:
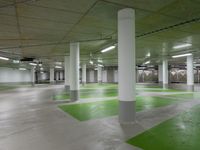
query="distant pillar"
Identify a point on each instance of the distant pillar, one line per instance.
(165, 73)
(160, 74)
(51, 75)
(99, 74)
(83, 74)
(33, 76)
(67, 74)
(190, 73)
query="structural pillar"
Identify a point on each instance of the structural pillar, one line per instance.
(67, 74)
(83, 74)
(126, 65)
(160, 74)
(51, 75)
(99, 74)
(74, 71)
(33, 76)
(165, 73)
(190, 73)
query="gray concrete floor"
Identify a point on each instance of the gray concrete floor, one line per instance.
(30, 120)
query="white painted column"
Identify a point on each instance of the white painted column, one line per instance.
(74, 71)
(67, 74)
(160, 73)
(126, 64)
(83, 74)
(52, 75)
(61, 75)
(57, 75)
(33, 76)
(165, 73)
(99, 74)
(190, 73)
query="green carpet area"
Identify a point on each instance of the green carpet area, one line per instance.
(193, 95)
(106, 90)
(179, 133)
(100, 109)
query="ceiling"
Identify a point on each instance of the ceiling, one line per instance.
(43, 29)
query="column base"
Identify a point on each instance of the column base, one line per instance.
(127, 112)
(67, 87)
(32, 83)
(52, 82)
(190, 88)
(100, 82)
(74, 95)
(83, 83)
(165, 86)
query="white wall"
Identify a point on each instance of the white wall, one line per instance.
(14, 75)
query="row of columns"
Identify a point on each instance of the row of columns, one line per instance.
(163, 73)
(126, 68)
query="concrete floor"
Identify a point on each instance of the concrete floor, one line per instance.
(30, 120)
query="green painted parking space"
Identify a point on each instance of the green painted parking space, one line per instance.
(179, 133)
(101, 109)
(186, 95)
(105, 90)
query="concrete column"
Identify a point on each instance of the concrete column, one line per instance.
(165, 73)
(83, 74)
(57, 75)
(160, 74)
(74, 71)
(99, 74)
(126, 65)
(67, 73)
(33, 76)
(51, 75)
(190, 73)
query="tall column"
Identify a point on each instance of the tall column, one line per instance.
(51, 75)
(99, 74)
(83, 74)
(57, 75)
(190, 73)
(126, 65)
(74, 71)
(160, 74)
(33, 76)
(67, 74)
(165, 73)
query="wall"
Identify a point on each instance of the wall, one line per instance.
(14, 75)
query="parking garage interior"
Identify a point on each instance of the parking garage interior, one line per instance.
(99, 74)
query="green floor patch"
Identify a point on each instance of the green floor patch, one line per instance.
(179, 133)
(194, 95)
(100, 109)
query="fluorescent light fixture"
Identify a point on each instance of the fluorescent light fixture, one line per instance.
(4, 58)
(182, 55)
(40, 65)
(58, 63)
(100, 61)
(108, 49)
(91, 62)
(148, 54)
(100, 65)
(16, 61)
(147, 62)
(182, 46)
(33, 64)
(41, 68)
(22, 69)
(58, 67)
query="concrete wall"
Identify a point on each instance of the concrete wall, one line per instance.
(10, 75)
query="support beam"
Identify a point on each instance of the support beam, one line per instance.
(67, 73)
(190, 73)
(74, 71)
(165, 73)
(83, 74)
(33, 76)
(52, 75)
(126, 65)
(160, 74)
(99, 74)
